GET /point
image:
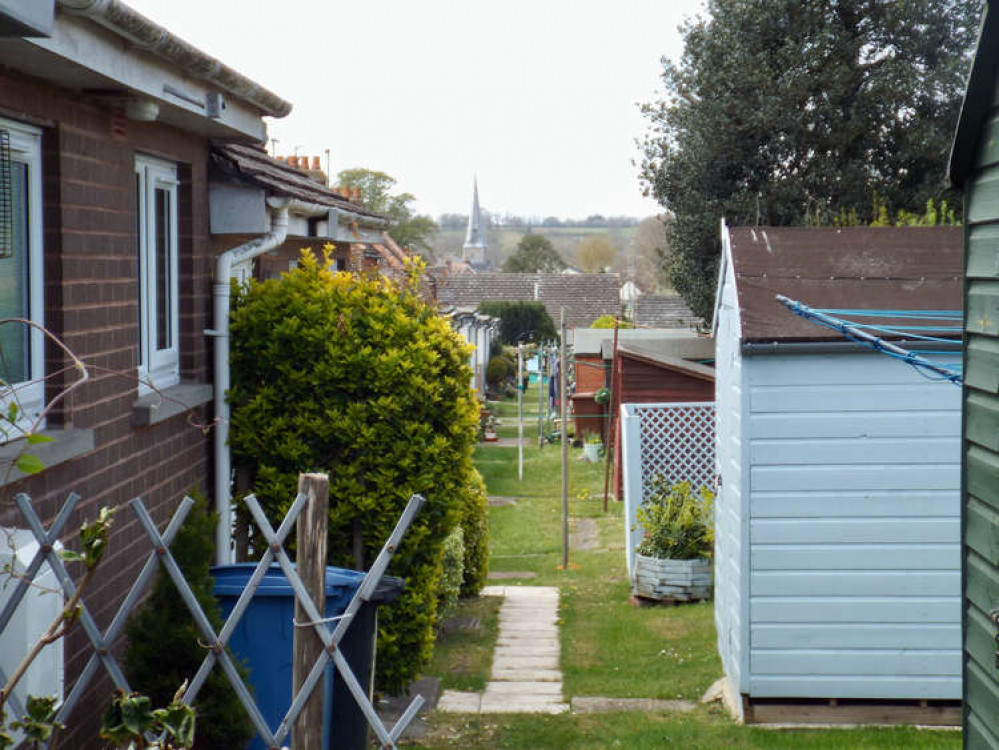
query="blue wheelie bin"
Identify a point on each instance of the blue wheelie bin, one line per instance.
(264, 638)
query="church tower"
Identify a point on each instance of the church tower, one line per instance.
(474, 250)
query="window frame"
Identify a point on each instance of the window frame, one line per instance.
(158, 368)
(26, 148)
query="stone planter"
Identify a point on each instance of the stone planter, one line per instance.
(672, 580)
(591, 451)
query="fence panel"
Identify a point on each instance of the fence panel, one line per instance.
(672, 440)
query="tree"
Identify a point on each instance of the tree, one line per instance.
(650, 250)
(800, 112)
(404, 226)
(521, 321)
(534, 253)
(596, 253)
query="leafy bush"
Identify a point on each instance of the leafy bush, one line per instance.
(607, 321)
(497, 370)
(358, 378)
(521, 321)
(474, 521)
(678, 524)
(452, 573)
(163, 641)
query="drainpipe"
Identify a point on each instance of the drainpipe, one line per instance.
(221, 294)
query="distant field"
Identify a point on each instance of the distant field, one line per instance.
(503, 241)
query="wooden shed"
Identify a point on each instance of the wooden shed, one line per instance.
(974, 166)
(837, 562)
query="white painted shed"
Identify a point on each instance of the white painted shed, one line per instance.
(837, 557)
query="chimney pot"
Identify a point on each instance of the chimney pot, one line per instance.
(357, 195)
(293, 161)
(315, 163)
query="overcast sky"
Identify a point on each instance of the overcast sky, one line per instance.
(536, 97)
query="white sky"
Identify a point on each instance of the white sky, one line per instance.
(536, 97)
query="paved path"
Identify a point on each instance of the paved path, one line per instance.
(526, 677)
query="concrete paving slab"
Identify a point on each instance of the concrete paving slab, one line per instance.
(524, 688)
(506, 707)
(458, 702)
(525, 662)
(528, 675)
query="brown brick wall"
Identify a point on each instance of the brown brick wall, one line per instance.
(91, 304)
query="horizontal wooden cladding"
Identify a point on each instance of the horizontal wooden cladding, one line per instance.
(982, 198)
(980, 642)
(839, 504)
(982, 471)
(858, 662)
(878, 424)
(877, 635)
(982, 315)
(856, 557)
(982, 696)
(982, 252)
(885, 687)
(832, 531)
(869, 397)
(862, 369)
(886, 583)
(851, 477)
(981, 372)
(820, 609)
(885, 451)
(981, 533)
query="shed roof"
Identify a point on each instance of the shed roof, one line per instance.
(674, 357)
(252, 164)
(664, 311)
(585, 297)
(588, 341)
(978, 99)
(871, 268)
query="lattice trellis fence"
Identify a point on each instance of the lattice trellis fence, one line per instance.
(676, 441)
(216, 654)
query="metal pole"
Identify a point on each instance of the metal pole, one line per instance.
(609, 437)
(542, 359)
(565, 443)
(520, 411)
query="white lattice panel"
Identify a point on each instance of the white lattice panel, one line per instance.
(678, 443)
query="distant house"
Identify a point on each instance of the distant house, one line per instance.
(664, 311)
(585, 297)
(973, 167)
(837, 539)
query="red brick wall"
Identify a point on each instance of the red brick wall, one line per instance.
(91, 303)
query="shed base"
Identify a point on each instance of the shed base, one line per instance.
(811, 711)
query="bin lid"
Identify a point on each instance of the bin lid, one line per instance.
(230, 580)
(388, 590)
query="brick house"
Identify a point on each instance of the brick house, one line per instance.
(110, 121)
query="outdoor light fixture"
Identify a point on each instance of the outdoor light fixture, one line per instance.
(142, 110)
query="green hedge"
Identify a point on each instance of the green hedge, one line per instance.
(358, 378)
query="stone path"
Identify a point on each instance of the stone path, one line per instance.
(526, 677)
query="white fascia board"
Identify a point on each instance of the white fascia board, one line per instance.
(103, 54)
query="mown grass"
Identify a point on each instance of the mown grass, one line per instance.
(463, 657)
(610, 648)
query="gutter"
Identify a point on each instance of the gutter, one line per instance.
(761, 348)
(150, 36)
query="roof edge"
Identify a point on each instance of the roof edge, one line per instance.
(977, 102)
(129, 24)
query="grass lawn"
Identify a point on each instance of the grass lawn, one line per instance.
(609, 648)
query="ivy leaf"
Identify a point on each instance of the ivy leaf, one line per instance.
(35, 438)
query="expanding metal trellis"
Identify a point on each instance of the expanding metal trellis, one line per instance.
(6, 198)
(101, 643)
(924, 328)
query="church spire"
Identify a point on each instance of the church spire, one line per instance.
(474, 249)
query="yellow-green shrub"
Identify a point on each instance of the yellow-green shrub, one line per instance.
(359, 378)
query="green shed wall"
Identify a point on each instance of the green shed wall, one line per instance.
(980, 514)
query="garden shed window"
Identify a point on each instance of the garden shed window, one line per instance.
(21, 284)
(156, 230)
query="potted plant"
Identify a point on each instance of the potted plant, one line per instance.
(592, 448)
(673, 560)
(489, 432)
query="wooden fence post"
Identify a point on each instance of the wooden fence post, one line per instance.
(307, 732)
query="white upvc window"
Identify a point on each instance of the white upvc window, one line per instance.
(22, 356)
(156, 229)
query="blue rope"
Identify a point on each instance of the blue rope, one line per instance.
(856, 332)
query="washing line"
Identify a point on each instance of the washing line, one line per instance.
(871, 335)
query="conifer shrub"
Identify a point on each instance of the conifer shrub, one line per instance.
(474, 522)
(359, 378)
(163, 640)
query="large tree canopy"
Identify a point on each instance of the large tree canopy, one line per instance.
(803, 112)
(534, 253)
(405, 227)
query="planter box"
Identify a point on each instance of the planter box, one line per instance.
(672, 580)
(592, 452)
